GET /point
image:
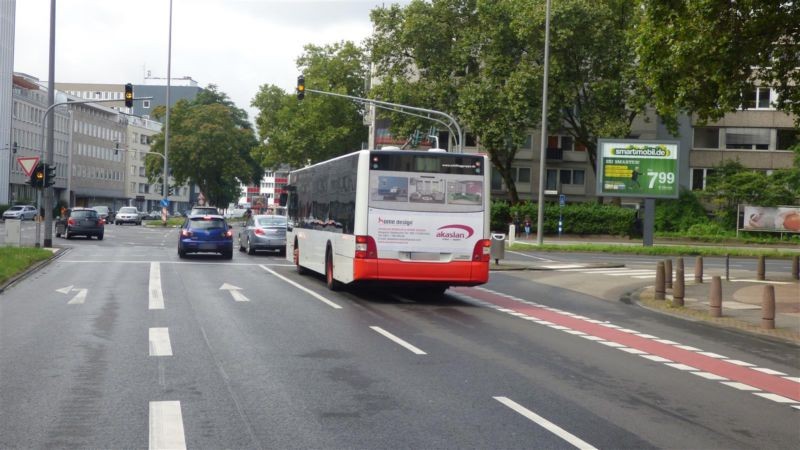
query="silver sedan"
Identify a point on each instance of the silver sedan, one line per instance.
(263, 232)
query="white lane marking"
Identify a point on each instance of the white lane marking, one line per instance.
(680, 366)
(529, 256)
(775, 397)
(761, 281)
(612, 344)
(795, 379)
(740, 386)
(740, 363)
(769, 371)
(234, 290)
(591, 338)
(713, 355)
(562, 266)
(79, 298)
(657, 358)
(633, 351)
(544, 423)
(156, 297)
(710, 376)
(643, 277)
(166, 426)
(666, 341)
(159, 342)
(399, 341)
(688, 347)
(65, 290)
(306, 290)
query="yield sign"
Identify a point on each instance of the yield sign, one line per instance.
(28, 164)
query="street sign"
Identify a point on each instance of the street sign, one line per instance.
(634, 168)
(28, 163)
(562, 200)
(165, 203)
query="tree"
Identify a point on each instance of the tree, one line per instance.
(703, 56)
(731, 184)
(484, 64)
(210, 146)
(319, 127)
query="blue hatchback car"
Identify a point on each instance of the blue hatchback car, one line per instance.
(206, 233)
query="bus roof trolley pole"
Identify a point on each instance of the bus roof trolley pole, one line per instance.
(400, 108)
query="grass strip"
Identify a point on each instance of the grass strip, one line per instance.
(14, 260)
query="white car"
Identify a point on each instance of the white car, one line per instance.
(128, 214)
(20, 212)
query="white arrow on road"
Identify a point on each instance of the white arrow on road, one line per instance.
(237, 296)
(79, 298)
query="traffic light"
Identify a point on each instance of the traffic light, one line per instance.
(37, 176)
(171, 190)
(50, 172)
(301, 87)
(128, 95)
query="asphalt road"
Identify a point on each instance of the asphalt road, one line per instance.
(119, 344)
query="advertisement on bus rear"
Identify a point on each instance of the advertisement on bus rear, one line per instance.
(409, 231)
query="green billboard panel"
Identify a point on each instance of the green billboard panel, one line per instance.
(634, 168)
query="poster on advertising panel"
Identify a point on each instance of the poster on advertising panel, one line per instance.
(634, 168)
(410, 231)
(783, 219)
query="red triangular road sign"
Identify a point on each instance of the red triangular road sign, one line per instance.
(28, 164)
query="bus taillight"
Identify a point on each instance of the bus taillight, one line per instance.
(482, 250)
(366, 248)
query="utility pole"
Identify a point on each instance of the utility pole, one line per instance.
(50, 156)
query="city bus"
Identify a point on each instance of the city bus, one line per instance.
(391, 217)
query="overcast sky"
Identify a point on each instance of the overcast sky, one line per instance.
(236, 44)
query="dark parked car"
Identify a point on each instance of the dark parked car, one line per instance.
(80, 222)
(263, 232)
(206, 233)
(105, 213)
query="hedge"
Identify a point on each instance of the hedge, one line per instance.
(577, 218)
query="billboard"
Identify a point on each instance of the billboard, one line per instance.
(784, 219)
(635, 168)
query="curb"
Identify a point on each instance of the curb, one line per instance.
(32, 269)
(729, 323)
(550, 266)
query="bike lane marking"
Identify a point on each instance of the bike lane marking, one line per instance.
(779, 387)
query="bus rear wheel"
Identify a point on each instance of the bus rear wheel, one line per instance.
(329, 280)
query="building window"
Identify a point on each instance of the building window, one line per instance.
(757, 98)
(551, 181)
(521, 174)
(747, 138)
(469, 140)
(786, 139)
(146, 104)
(528, 144)
(700, 177)
(705, 137)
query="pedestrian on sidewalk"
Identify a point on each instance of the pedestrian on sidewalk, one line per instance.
(527, 227)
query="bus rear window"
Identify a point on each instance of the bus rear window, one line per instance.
(442, 163)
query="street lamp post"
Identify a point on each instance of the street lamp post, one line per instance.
(543, 155)
(166, 128)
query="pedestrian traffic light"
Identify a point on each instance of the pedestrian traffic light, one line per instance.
(301, 87)
(37, 176)
(50, 172)
(128, 95)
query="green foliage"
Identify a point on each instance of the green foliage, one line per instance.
(319, 127)
(731, 185)
(3, 208)
(657, 250)
(210, 145)
(679, 214)
(577, 218)
(700, 55)
(14, 260)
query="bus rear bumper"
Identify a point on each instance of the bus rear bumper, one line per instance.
(457, 273)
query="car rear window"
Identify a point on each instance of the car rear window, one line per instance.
(272, 221)
(200, 223)
(84, 214)
(127, 210)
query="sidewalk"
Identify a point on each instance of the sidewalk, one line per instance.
(741, 295)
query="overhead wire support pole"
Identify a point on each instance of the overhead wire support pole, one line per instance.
(402, 107)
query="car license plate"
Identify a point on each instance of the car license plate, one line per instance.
(208, 246)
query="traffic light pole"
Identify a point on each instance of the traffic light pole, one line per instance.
(446, 125)
(50, 159)
(402, 109)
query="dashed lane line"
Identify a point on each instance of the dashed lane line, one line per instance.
(546, 424)
(398, 341)
(302, 288)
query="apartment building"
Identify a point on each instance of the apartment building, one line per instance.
(28, 105)
(268, 192)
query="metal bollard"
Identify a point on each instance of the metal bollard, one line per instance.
(768, 307)
(728, 267)
(796, 267)
(715, 301)
(760, 269)
(679, 290)
(698, 270)
(668, 273)
(660, 281)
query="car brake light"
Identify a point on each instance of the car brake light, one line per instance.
(70, 221)
(229, 233)
(366, 247)
(259, 232)
(186, 233)
(482, 250)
